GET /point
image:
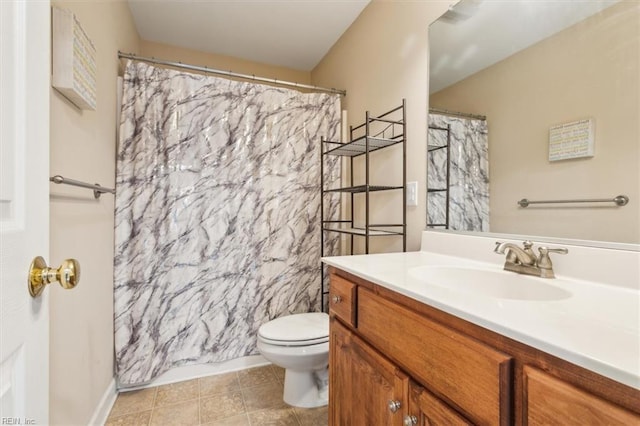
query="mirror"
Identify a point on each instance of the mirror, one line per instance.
(554, 89)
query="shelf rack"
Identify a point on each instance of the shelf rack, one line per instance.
(363, 188)
(430, 150)
(393, 133)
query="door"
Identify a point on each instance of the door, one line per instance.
(24, 208)
(425, 409)
(365, 388)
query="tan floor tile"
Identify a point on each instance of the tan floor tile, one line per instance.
(220, 407)
(177, 392)
(313, 416)
(282, 416)
(256, 376)
(133, 402)
(263, 396)
(241, 420)
(222, 383)
(135, 419)
(182, 414)
(278, 372)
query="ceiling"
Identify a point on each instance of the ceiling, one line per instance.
(475, 34)
(289, 33)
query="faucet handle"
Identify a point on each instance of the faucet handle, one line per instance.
(527, 249)
(544, 262)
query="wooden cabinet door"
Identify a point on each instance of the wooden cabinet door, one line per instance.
(362, 383)
(475, 377)
(551, 401)
(425, 409)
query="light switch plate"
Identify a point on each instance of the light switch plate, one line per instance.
(412, 193)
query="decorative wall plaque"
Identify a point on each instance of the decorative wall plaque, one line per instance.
(74, 63)
(571, 140)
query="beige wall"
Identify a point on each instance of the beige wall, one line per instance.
(221, 62)
(589, 70)
(83, 147)
(381, 59)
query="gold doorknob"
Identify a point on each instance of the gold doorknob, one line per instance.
(68, 275)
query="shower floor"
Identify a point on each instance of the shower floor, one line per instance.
(247, 397)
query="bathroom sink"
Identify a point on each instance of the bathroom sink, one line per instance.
(491, 283)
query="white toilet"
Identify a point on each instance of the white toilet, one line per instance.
(300, 344)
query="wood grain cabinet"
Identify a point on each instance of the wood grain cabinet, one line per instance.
(342, 300)
(367, 388)
(396, 361)
(472, 376)
(425, 409)
(549, 400)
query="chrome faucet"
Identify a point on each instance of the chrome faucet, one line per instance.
(524, 260)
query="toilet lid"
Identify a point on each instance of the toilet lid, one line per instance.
(296, 330)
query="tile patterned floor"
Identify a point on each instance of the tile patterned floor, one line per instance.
(244, 398)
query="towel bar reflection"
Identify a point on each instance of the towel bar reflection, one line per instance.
(620, 200)
(97, 189)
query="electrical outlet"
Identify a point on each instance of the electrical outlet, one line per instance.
(412, 193)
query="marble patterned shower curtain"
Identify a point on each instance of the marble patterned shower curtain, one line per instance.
(217, 215)
(468, 173)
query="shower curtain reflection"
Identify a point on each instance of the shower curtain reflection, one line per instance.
(217, 215)
(457, 173)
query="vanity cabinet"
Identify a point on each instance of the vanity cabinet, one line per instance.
(425, 409)
(549, 400)
(342, 300)
(470, 375)
(367, 388)
(394, 360)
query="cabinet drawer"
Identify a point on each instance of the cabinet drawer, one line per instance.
(470, 375)
(342, 299)
(549, 400)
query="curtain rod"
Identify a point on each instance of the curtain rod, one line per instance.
(457, 114)
(229, 73)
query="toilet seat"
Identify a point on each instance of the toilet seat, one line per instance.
(296, 330)
(294, 342)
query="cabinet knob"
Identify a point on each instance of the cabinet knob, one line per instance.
(410, 421)
(394, 406)
(336, 299)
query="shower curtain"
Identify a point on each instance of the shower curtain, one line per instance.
(468, 173)
(217, 215)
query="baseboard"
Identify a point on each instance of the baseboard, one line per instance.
(189, 372)
(105, 405)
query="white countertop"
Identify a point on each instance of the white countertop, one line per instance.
(597, 327)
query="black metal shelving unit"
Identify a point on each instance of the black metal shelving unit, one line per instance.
(380, 132)
(430, 150)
